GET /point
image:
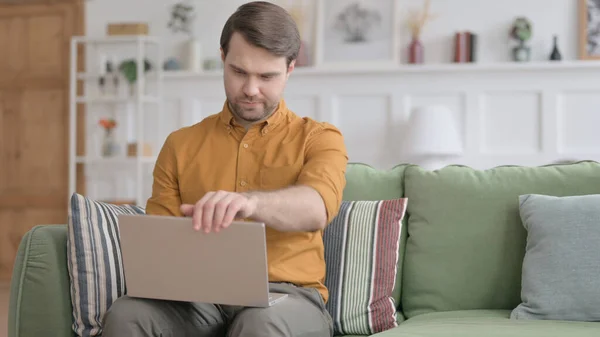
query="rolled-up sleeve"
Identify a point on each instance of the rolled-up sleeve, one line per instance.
(324, 168)
(165, 199)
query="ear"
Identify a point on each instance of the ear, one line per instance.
(291, 68)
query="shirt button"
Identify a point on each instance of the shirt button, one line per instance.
(245, 146)
(243, 183)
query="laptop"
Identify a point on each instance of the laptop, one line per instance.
(165, 258)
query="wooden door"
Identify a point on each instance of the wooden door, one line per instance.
(34, 117)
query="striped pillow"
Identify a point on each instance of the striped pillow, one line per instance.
(361, 252)
(94, 261)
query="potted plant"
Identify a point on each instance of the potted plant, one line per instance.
(129, 70)
(109, 144)
(182, 18)
(522, 32)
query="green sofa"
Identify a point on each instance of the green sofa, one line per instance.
(460, 261)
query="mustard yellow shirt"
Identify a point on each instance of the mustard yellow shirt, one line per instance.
(219, 154)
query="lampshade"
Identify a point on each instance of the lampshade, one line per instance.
(432, 131)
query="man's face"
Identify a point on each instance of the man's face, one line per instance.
(254, 80)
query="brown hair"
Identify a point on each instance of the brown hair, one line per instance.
(264, 25)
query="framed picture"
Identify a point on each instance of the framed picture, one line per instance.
(357, 32)
(589, 29)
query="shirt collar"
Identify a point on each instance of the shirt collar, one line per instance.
(281, 112)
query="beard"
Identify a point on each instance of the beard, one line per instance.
(256, 113)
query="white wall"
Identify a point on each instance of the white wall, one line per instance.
(529, 114)
(491, 19)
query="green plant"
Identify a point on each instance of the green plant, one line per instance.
(129, 69)
(521, 29)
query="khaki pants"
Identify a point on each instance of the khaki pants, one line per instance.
(301, 314)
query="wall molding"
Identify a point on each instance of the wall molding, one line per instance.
(508, 114)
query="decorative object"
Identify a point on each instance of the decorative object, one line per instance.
(560, 267)
(555, 55)
(522, 32)
(589, 29)
(133, 152)
(357, 32)
(361, 255)
(432, 136)
(94, 260)
(109, 144)
(182, 18)
(129, 70)
(465, 47)
(193, 52)
(416, 22)
(127, 28)
(108, 76)
(416, 52)
(171, 64)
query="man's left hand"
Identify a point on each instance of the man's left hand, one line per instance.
(216, 210)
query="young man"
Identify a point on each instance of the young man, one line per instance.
(254, 160)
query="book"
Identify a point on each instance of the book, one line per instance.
(465, 47)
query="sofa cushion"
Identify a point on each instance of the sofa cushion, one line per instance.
(561, 269)
(361, 254)
(40, 303)
(364, 182)
(94, 260)
(466, 240)
(488, 323)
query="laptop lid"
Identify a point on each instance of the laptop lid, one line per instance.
(164, 258)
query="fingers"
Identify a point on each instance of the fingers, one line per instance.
(221, 208)
(187, 209)
(215, 211)
(213, 205)
(198, 211)
(234, 207)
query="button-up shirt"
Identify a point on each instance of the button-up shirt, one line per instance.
(284, 150)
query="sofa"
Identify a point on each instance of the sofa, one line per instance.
(460, 264)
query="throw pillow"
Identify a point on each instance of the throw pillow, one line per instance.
(94, 260)
(562, 259)
(361, 255)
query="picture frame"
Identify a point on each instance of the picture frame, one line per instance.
(340, 42)
(589, 29)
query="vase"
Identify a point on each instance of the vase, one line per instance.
(555, 55)
(415, 52)
(109, 144)
(521, 53)
(193, 55)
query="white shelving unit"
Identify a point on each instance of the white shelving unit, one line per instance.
(139, 99)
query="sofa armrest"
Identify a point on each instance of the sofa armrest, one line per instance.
(40, 299)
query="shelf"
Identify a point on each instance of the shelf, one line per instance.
(115, 99)
(385, 68)
(117, 39)
(94, 77)
(114, 160)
